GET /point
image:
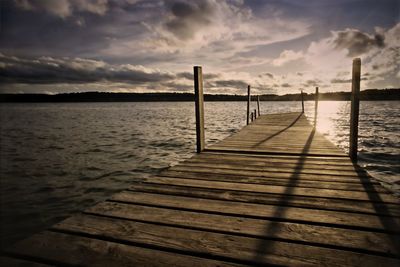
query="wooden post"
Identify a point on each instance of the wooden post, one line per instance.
(251, 115)
(258, 105)
(248, 103)
(255, 114)
(199, 103)
(316, 106)
(355, 106)
(302, 102)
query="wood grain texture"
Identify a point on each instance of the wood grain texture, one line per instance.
(13, 262)
(162, 186)
(275, 212)
(275, 193)
(75, 250)
(292, 232)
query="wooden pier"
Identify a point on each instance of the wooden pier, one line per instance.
(275, 193)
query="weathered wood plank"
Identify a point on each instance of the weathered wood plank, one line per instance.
(280, 151)
(260, 178)
(13, 262)
(276, 192)
(319, 160)
(292, 135)
(82, 251)
(248, 167)
(290, 189)
(266, 198)
(217, 245)
(316, 235)
(270, 161)
(249, 171)
(335, 185)
(276, 212)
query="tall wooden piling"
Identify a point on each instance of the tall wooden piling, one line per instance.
(199, 103)
(355, 106)
(258, 105)
(248, 104)
(302, 102)
(316, 97)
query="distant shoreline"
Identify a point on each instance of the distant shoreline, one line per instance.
(369, 94)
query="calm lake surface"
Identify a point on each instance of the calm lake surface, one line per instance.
(60, 158)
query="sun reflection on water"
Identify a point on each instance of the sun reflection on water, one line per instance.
(331, 120)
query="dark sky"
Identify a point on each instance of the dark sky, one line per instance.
(140, 46)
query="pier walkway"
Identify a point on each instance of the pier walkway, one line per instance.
(274, 193)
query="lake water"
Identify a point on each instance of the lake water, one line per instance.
(59, 158)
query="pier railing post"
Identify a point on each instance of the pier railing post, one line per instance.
(199, 103)
(302, 102)
(316, 106)
(248, 104)
(255, 114)
(258, 105)
(355, 106)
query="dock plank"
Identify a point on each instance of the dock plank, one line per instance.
(283, 213)
(350, 239)
(75, 250)
(235, 194)
(288, 189)
(274, 193)
(214, 245)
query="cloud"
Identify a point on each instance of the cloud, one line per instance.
(328, 60)
(193, 30)
(357, 42)
(336, 80)
(237, 43)
(151, 32)
(314, 83)
(267, 74)
(64, 8)
(188, 17)
(286, 85)
(239, 84)
(51, 74)
(287, 56)
(189, 75)
(48, 70)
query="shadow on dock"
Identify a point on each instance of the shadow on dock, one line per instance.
(279, 132)
(265, 246)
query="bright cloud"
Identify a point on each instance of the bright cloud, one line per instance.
(287, 56)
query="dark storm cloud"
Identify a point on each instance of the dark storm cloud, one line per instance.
(315, 82)
(35, 32)
(48, 70)
(189, 75)
(231, 83)
(357, 42)
(185, 75)
(345, 80)
(267, 74)
(341, 81)
(211, 76)
(64, 8)
(175, 86)
(188, 16)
